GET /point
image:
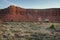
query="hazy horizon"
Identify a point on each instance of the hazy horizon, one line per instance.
(35, 4)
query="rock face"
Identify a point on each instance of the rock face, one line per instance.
(14, 13)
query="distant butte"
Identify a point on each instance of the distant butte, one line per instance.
(14, 13)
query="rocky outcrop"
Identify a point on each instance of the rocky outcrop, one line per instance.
(14, 13)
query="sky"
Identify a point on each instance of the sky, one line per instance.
(35, 4)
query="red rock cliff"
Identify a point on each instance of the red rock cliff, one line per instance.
(14, 13)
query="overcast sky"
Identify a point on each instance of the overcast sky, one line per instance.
(37, 4)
